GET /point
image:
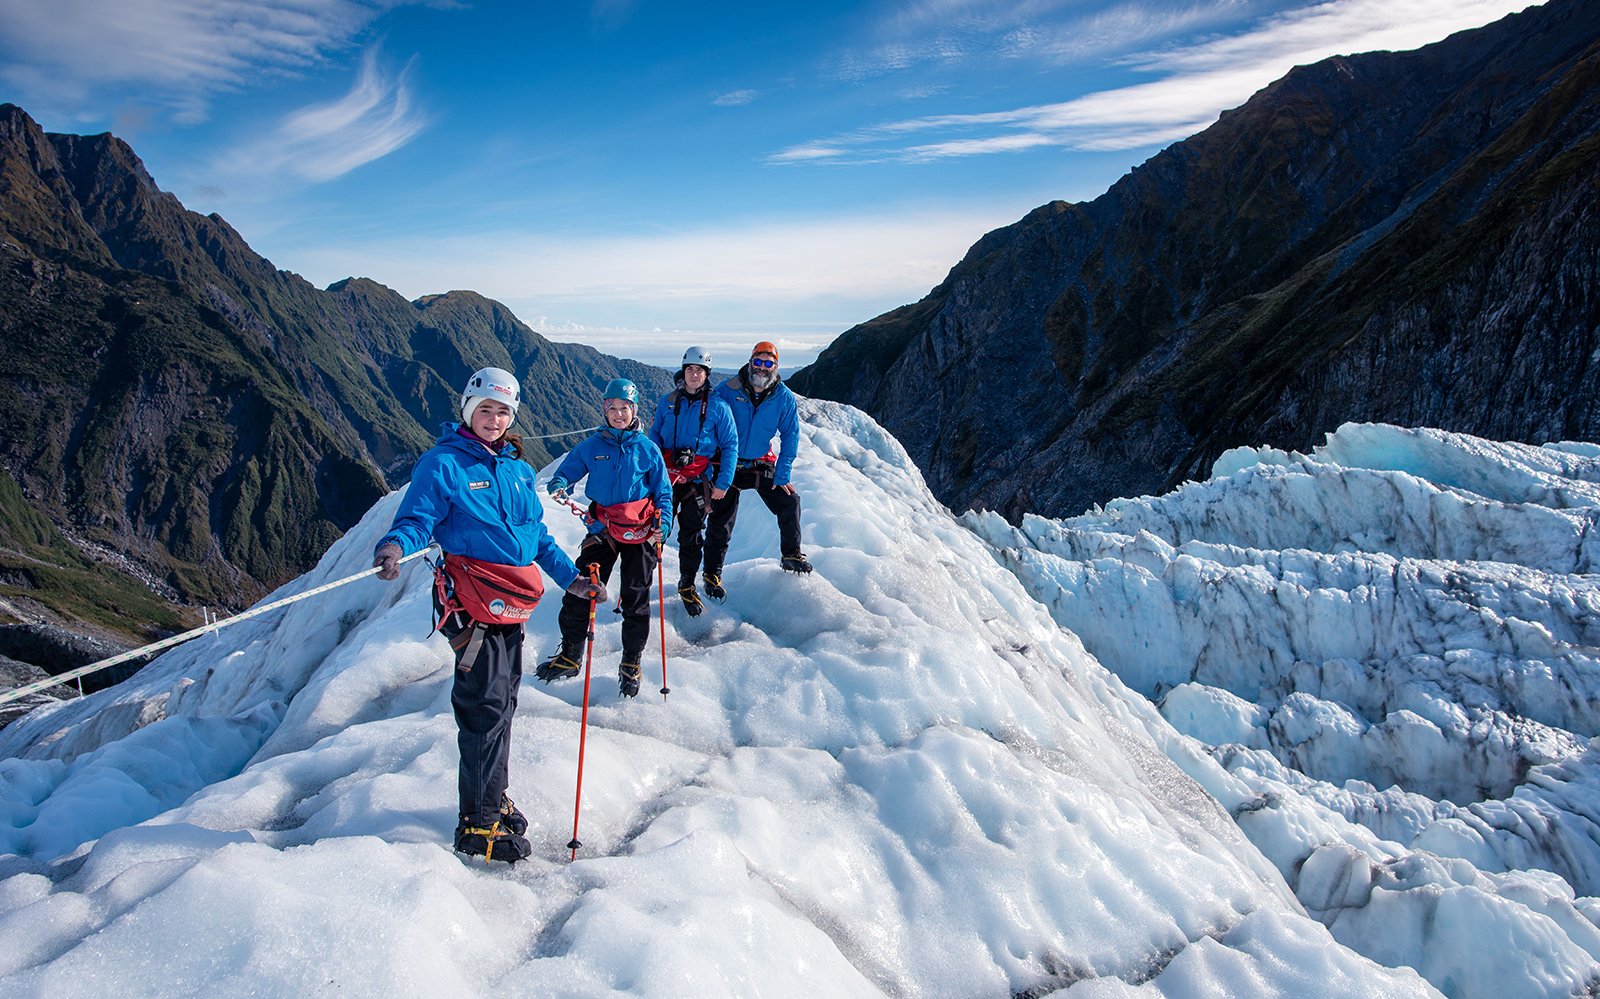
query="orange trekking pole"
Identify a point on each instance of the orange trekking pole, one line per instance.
(583, 730)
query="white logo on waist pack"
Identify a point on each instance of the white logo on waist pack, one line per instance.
(478, 485)
(498, 606)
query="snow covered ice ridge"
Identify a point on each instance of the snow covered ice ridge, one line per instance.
(899, 776)
(1411, 610)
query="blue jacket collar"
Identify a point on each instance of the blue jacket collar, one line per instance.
(622, 438)
(470, 445)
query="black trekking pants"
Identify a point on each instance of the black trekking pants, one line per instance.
(726, 510)
(689, 510)
(638, 579)
(488, 674)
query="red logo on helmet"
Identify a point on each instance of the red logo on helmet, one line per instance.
(501, 388)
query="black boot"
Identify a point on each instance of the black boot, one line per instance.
(713, 583)
(795, 563)
(493, 843)
(511, 818)
(691, 599)
(628, 676)
(561, 666)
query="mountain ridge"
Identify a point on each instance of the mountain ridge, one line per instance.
(1266, 280)
(172, 396)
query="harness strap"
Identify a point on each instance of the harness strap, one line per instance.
(677, 399)
(467, 643)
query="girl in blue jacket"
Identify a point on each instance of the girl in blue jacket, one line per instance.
(631, 511)
(694, 429)
(474, 495)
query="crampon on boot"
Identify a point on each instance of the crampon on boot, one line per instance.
(713, 584)
(691, 599)
(561, 666)
(511, 818)
(628, 676)
(795, 563)
(493, 843)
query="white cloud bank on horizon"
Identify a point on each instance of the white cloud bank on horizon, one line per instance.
(326, 140)
(60, 53)
(806, 280)
(665, 347)
(1206, 79)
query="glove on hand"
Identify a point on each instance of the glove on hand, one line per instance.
(583, 589)
(557, 488)
(387, 560)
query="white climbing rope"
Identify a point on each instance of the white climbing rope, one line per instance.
(72, 674)
(564, 433)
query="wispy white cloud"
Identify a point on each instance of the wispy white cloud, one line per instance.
(735, 98)
(72, 55)
(957, 31)
(322, 141)
(1199, 82)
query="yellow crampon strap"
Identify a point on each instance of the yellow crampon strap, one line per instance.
(488, 839)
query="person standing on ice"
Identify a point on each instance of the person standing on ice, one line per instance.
(473, 494)
(762, 407)
(630, 512)
(694, 430)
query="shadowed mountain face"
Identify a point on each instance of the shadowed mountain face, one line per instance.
(1400, 237)
(169, 395)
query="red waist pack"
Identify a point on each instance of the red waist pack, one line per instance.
(630, 523)
(689, 472)
(486, 591)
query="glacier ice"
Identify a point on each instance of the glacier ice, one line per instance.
(1410, 610)
(909, 774)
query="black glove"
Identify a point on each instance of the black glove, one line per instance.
(387, 560)
(583, 589)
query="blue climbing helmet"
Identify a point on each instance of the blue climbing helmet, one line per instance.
(621, 388)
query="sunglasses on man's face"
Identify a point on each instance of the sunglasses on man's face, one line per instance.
(762, 362)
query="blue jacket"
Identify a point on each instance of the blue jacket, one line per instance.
(685, 430)
(757, 420)
(480, 504)
(622, 466)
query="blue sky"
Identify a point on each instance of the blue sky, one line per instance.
(642, 174)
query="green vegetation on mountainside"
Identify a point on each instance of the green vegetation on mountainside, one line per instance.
(38, 564)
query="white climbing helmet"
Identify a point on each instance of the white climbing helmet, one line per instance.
(490, 383)
(697, 355)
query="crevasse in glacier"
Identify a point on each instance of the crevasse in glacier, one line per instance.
(1405, 610)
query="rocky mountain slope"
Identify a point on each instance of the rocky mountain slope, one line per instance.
(1400, 237)
(170, 397)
